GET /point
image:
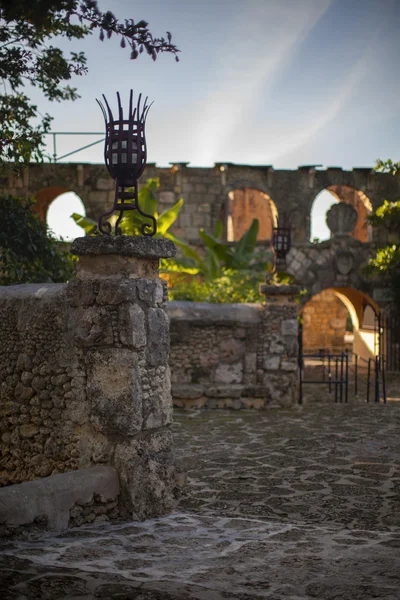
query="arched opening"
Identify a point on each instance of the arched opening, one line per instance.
(59, 218)
(244, 205)
(340, 193)
(340, 319)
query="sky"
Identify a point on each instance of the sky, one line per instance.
(281, 82)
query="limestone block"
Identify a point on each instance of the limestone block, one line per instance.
(91, 326)
(159, 292)
(250, 362)
(158, 337)
(287, 365)
(167, 197)
(276, 347)
(116, 267)
(271, 363)
(147, 474)
(131, 326)
(105, 184)
(337, 323)
(187, 391)
(289, 327)
(53, 498)
(113, 291)
(157, 400)
(80, 292)
(224, 391)
(280, 389)
(231, 350)
(229, 373)
(145, 290)
(113, 390)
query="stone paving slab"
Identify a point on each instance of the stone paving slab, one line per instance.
(296, 504)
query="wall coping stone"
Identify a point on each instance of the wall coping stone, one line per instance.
(123, 245)
(54, 496)
(203, 313)
(40, 291)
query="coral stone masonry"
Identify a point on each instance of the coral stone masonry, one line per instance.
(85, 375)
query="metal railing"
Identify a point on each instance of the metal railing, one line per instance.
(335, 374)
(375, 378)
(336, 370)
(54, 134)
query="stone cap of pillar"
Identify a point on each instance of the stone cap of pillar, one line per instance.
(123, 245)
(279, 293)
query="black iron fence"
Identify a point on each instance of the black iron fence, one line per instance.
(389, 341)
(370, 373)
(335, 373)
(340, 370)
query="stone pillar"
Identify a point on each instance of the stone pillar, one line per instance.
(280, 344)
(117, 314)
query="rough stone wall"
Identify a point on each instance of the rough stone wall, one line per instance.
(333, 263)
(40, 383)
(233, 355)
(85, 379)
(324, 323)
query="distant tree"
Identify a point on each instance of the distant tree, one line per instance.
(27, 56)
(385, 265)
(28, 251)
(387, 166)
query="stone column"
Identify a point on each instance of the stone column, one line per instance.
(120, 329)
(280, 344)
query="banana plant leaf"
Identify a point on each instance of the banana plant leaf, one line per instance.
(222, 250)
(245, 246)
(188, 252)
(89, 225)
(168, 218)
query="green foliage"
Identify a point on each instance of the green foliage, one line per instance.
(231, 286)
(28, 254)
(385, 267)
(385, 262)
(387, 166)
(220, 255)
(27, 28)
(132, 220)
(387, 215)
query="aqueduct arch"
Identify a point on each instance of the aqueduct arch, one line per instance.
(245, 204)
(325, 318)
(358, 200)
(205, 190)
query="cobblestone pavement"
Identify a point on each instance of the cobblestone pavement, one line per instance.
(300, 503)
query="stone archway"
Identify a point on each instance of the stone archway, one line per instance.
(59, 217)
(44, 197)
(245, 204)
(326, 318)
(352, 196)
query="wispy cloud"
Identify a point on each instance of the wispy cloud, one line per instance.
(255, 52)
